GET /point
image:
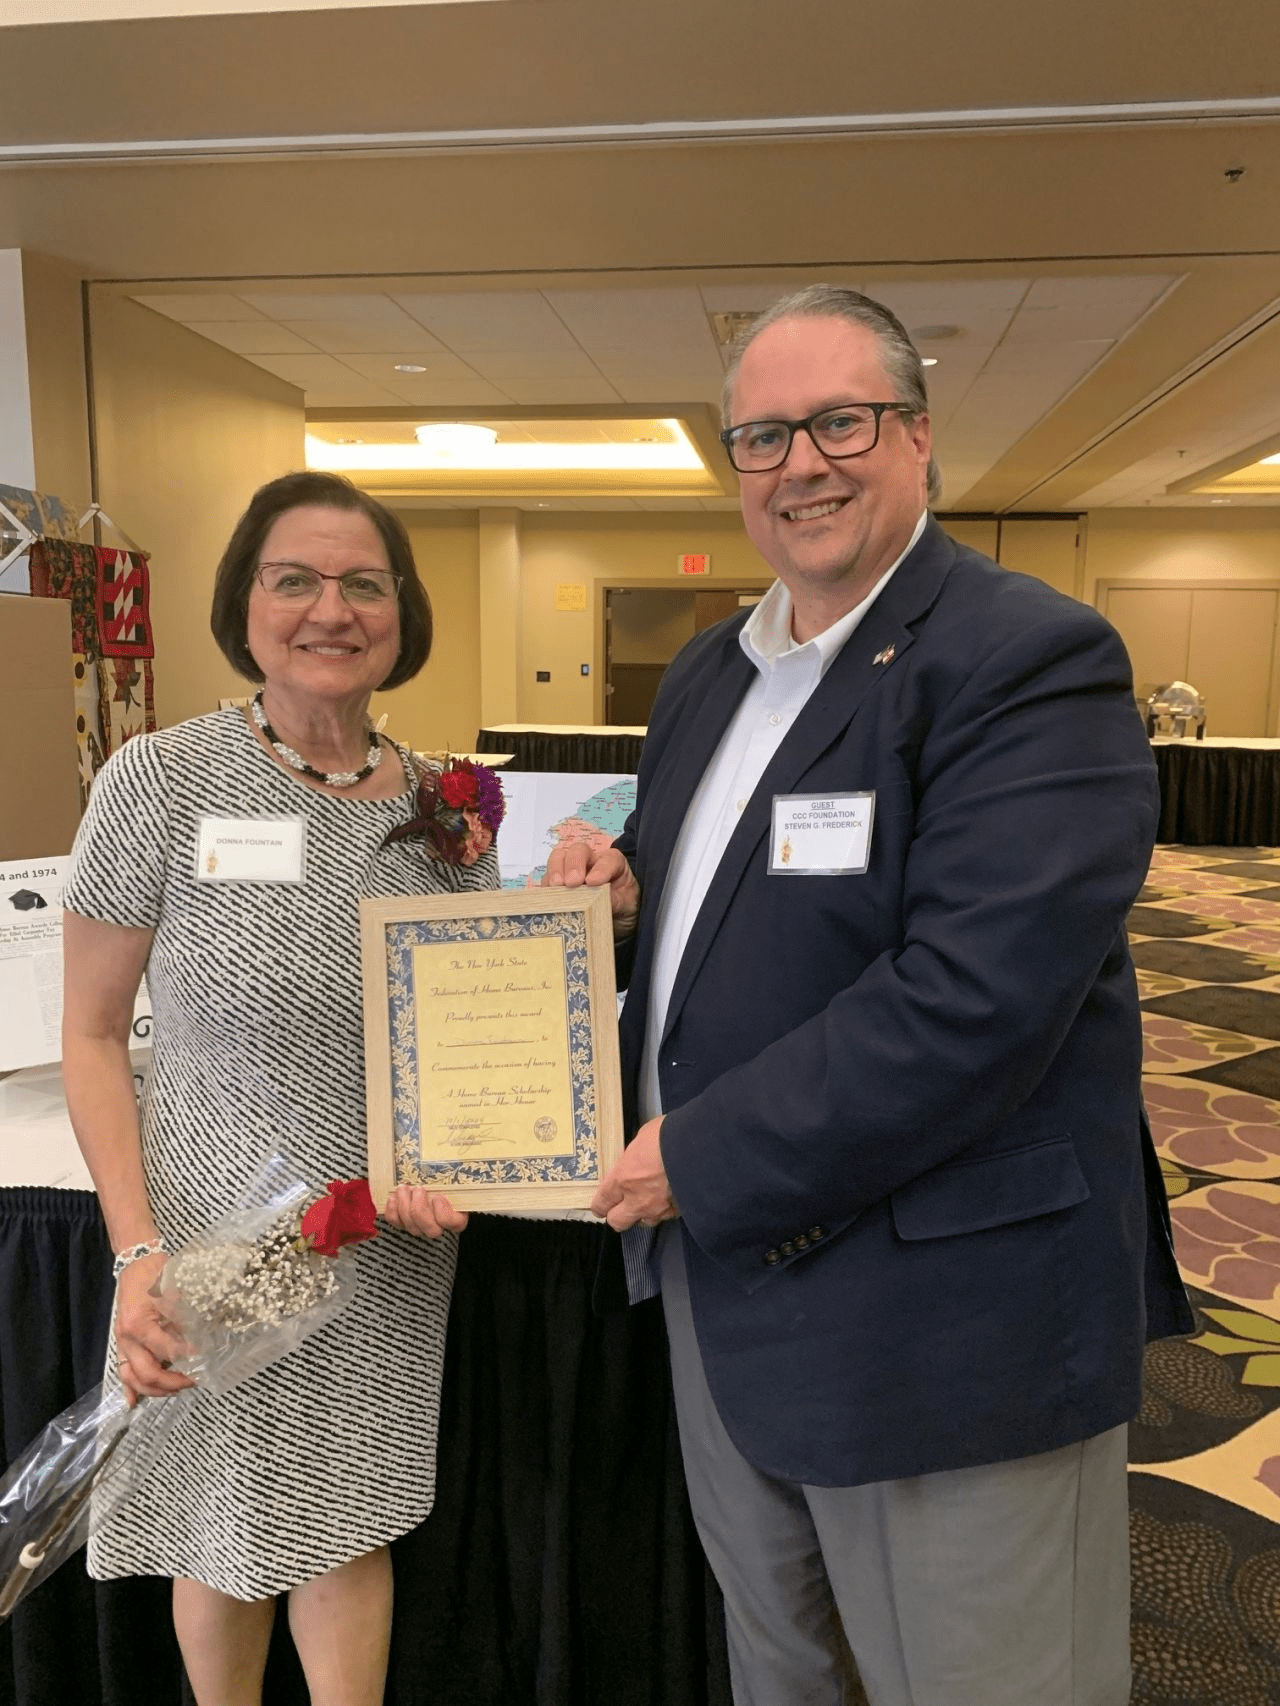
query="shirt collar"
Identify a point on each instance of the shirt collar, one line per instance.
(766, 634)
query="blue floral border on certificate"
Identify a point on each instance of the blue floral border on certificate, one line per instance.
(401, 939)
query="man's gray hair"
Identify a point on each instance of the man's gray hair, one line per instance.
(898, 355)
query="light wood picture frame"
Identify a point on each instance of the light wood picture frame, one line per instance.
(491, 1046)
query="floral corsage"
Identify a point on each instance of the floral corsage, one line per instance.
(457, 811)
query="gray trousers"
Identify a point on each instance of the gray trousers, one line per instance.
(1006, 1585)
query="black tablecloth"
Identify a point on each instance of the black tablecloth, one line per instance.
(605, 754)
(1219, 796)
(559, 1567)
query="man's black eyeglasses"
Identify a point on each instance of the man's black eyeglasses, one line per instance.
(850, 429)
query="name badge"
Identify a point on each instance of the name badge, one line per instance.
(821, 835)
(252, 850)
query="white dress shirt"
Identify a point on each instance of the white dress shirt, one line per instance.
(787, 674)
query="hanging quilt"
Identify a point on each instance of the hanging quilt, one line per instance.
(111, 643)
(123, 604)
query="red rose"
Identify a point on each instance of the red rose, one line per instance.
(345, 1216)
(458, 788)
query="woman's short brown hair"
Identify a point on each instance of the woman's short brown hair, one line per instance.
(229, 616)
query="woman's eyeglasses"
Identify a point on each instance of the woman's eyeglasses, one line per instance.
(295, 583)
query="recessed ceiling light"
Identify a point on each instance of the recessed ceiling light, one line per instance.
(409, 367)
(1271, 461)
(928, 361)
(456, 438)
(1219, 500)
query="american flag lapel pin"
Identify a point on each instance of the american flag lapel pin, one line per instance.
(886, 656)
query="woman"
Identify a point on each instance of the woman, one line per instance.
(295, 1481)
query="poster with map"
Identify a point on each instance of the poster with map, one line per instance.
(545, 808)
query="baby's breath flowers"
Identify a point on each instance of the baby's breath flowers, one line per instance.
(245, 1293)
(285, 1271)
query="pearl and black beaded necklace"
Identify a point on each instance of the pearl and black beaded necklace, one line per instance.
(295, 760)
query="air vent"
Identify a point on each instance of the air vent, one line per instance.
(728, 327)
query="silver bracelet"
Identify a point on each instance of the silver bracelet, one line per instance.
(135, 1253)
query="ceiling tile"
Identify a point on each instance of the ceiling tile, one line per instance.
(924, 302)
(699, 380)
(368, 337)
(439, 365)
(564, 391)
(1049, 363)
(560, 365)
(645, 322)
(252, 337)
(474, 322)
(362, 306)
(327, 383)
(422, 391)
(222, 305)
(1132, 291)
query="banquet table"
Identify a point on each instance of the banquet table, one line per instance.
(574, 747)
(1219, 792)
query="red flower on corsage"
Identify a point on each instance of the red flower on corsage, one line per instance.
(457, 811)
(345, 1216)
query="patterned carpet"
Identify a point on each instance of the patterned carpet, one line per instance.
(1205, 1451)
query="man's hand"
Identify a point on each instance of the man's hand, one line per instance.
(576, 864)
(637, 1191)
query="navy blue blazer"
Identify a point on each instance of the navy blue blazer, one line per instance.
(923, 1222)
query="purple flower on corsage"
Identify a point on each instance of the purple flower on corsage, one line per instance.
(457, 811)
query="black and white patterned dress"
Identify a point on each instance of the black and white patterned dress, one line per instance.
(258, 1043)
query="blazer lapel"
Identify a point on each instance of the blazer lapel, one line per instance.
(875, 648)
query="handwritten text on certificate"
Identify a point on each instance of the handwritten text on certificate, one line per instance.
(493, 1050)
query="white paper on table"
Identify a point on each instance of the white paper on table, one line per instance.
(24, 1040)
(31, 964)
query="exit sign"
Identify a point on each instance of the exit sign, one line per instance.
(695, 563)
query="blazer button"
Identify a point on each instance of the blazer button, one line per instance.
(816, 1232)
(788, 1249)
(802, 1243)
(771, 1256)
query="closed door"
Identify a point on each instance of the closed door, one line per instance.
(1232, 645)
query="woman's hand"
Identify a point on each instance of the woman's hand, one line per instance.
(146, 1341)
(426, 1214)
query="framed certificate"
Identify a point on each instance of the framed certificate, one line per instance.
(491, 1046)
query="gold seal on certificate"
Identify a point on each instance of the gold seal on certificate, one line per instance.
(491, 1046)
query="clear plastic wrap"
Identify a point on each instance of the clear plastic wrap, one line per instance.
(243, 1294)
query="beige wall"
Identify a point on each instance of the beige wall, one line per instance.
(598, 551)
(441, 706)
(54, 312)
(979, 535)
(1217, 544)
(186, 433)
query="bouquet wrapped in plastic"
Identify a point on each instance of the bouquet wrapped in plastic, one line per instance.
(243, 1294)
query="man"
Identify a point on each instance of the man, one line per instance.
(881, 1056)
